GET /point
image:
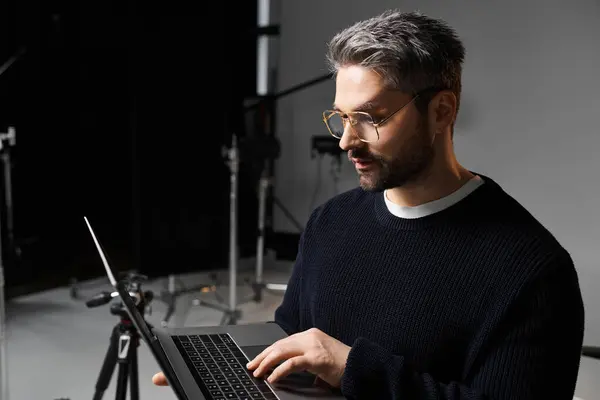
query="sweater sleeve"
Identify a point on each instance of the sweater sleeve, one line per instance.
(533, 354)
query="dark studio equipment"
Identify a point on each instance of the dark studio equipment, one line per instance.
(257, 149)
(7, 140)
(124, 341)
(7, 245)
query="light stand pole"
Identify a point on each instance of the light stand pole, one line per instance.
(7, 140)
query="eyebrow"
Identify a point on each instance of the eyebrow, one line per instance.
(366, 106)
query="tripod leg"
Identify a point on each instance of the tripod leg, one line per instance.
(133, 372)
(169, 313)
(122, 382)
(123, 354)
(108, 367)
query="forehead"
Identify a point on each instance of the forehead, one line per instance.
(356, 85)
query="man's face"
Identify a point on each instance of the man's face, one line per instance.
(404, 149)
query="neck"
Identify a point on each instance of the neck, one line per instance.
(443, 177)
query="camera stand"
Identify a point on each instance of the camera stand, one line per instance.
(122, 349)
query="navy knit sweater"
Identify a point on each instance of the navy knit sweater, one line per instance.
(477, 301)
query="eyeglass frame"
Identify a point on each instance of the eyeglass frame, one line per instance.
(375, 125)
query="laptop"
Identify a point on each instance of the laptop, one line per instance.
(209, 363)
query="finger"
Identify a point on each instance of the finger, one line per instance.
(295, 364)
(258, 359)
(160, 379)
(277, 355)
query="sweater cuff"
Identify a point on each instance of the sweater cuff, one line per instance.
(365, 369)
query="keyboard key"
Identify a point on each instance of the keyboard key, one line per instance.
(183, 338)
(225, 337)
(231, 396)
(205, 339)
(256, 396)
(216, 393)
(216, 339)
(241, 393)
(219, 377)
(227, 389)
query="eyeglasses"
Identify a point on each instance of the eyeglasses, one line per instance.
(361, 123)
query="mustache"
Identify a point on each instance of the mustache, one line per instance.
(362, 154)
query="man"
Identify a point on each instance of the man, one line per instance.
(428, 281)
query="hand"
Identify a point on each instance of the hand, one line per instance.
(160, 379)
(311, 350)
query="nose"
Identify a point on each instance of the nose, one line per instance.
(349, 140)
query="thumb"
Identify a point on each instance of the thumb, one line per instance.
(160, 380)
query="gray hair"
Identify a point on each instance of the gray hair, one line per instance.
(411, 51)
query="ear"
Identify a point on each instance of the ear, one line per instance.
(442, 110)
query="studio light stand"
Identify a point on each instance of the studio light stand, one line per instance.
(7, 140)
(231, 312)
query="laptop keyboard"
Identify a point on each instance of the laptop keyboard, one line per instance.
(219, 367)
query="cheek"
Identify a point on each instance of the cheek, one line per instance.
(386, 147)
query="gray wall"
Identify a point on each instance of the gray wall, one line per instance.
(529, 118)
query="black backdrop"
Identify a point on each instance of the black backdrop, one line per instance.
(121, 111)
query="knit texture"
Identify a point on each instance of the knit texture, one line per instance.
(478, 301)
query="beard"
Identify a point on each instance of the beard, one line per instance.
(408, 165)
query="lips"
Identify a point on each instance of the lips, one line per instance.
(361, 163)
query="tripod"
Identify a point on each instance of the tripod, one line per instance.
(124, 341)
(122, 349)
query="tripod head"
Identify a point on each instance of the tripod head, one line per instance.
(141, 298)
